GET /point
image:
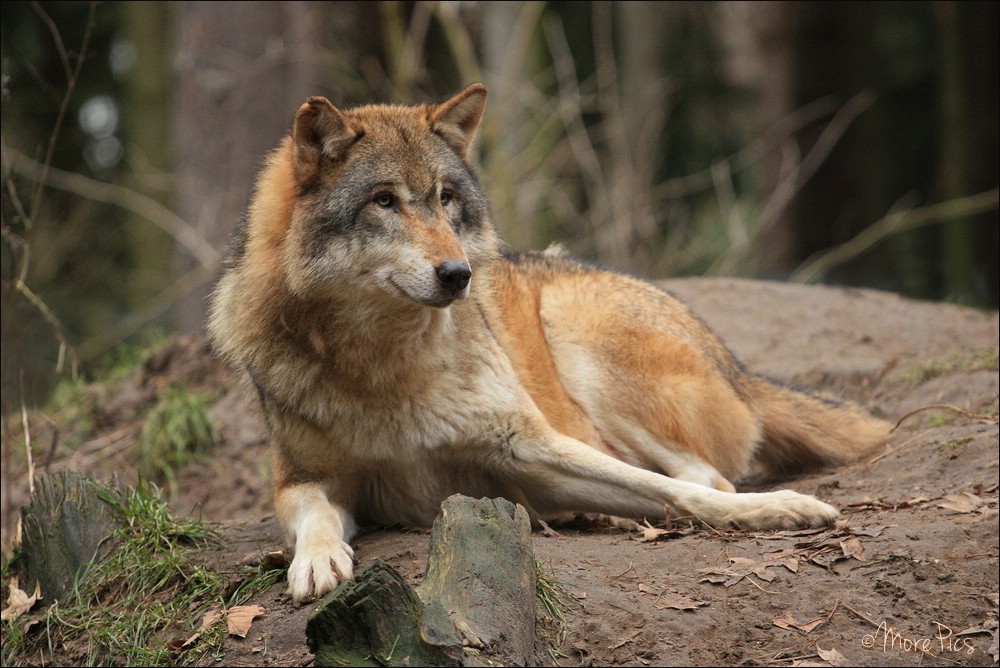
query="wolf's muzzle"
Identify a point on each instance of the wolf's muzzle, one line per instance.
(453, 275)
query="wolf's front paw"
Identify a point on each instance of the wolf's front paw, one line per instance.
(784, 509)
(794, 510)
(318, 567)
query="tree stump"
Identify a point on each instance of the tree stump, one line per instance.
(66, 527)
(372, 620)
(476, 605)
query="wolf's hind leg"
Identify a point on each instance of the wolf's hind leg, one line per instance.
(659, 387)
(663, 454)
(703, 474)
(317, 529)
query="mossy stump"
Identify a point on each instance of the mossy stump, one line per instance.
(67, 526)
(476, 605)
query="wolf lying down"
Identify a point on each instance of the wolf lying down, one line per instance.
(400, 358)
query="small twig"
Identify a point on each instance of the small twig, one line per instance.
(56, 37)
(818, 153)
(891, 450)
(862, 616)
(754, 583)
(982, 418)
(753, 153)
(547, 530)
(146, 313)
(52, 448)
(27, 440)
(50, 317)
(631, 567)
(836, 604)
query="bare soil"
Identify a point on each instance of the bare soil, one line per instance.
(908, 576)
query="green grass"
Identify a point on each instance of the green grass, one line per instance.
(966, 361)
(132, 608)
(178, 430)
(555, 600)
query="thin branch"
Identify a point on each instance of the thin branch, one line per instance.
(818, 153)
(50, 317)
(752, 153)
(130, 200)
(816, 267)
(56, 37)
(148, 312)
(460, 44)
(73, 75)
(27, 440)
(570, 107)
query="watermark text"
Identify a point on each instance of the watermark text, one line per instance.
(944, 641)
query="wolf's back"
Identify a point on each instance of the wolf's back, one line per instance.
(801, 432)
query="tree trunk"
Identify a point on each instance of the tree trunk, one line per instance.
(241, 72)
(959, 255)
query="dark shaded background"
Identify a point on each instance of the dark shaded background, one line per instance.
(743, 138)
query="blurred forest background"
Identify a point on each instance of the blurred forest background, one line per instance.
(849, 143)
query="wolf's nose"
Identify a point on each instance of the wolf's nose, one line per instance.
(454, 275)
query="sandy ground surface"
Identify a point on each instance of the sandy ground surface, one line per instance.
(909, 576)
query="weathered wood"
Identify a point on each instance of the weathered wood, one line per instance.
(476, 605)
(66, 527)
(372, 620)
(481, 570)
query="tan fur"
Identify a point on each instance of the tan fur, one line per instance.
(390, 381)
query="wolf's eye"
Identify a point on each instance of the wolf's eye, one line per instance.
(446, 197)
(384, 200)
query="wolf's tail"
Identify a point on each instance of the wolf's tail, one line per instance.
(803, 432)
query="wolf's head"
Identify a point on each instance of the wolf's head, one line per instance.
(381, 201)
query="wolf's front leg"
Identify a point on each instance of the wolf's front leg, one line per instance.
(317, 530)
(557, 474)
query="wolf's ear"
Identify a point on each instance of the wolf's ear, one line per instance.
(457, 119)
(320, 131)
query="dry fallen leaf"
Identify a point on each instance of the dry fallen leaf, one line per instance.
(651, 533)
(239, 619)
(786, 621)
(721, 576)
(961, 503)
(19, 602)
(870, 532)
(832, 656)
(671, 599)
(210, 618)
(207, 620)
(807, 627)
(853, 549)
(743, 564)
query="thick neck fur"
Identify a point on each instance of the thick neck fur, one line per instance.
(375, 347)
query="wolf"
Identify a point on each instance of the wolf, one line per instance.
(400, 357)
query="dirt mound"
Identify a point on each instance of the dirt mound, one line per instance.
(909, 576)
